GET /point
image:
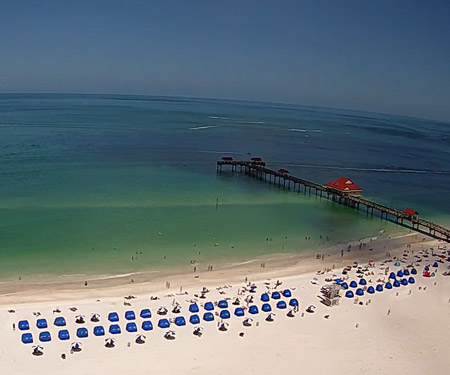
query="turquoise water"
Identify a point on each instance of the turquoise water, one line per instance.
(114, 184)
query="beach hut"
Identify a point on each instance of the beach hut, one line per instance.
(147, 325)
(239, 311)
(82, 333)
(99, 331)
(413, 271)
(129, 315)
(63, 334)
(225, 314)
(27, 338)
(145, 314)
(396, 283)
(344, 286)
(379, 288)
(223, 304)
(399, 273)
(253, 309)
(209, 306)
(293, 302)
(131, 327)
(24, 325)
(163, 323)
(193, 308)
(180, 321)
(41, 323)
(287, 293)
(404, 282)
(411, 280)
(388, 285)
(359, 292)
(281, 305)
(114, 329)
(208, 317)
(60, 322)
(194, 319)
(266, 307)
(276, 295)
(45, 336)
(349, 294)
(265, 297)
(363, 281)
(392, 276)
(113, 317)
(371, 290)
(353, 284)
(405, 272)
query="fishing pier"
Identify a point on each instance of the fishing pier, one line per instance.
(343, 191)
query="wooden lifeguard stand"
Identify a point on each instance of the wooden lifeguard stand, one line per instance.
(331, 295)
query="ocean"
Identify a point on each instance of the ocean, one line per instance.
(110, 184)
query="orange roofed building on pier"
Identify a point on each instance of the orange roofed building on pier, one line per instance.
(344, 186)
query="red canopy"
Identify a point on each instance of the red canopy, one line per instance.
(410, 211)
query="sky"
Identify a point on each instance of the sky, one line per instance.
(380, 56)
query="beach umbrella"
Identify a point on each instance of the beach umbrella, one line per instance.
(109, 343)
(75, 347)
(82, 332)
(113, 317)
(59, 321)
(287, 293)
(353, 284)
(253, 309)
(370, 290)
(145, 314)
(198, 331)
(379, 288)
(405, 272)
(311, 309)
(269, 317)
(163, 323)
(253, 288)
(388, 285)
(411, 280)
(41, 323)
(359, 292)
(162, 311)
(276, 295)
(413, 271)
(397, 264)
(131, 327)
(99, 331)
(80, 319)
(24, 325)
(225, 314)
(27, 338)
(129, 315)
(399, 273)
(169, 335)
(396, 283)
(427, 268)
(209, 306)
(265, 297)
(193, 308)
(281, 305)
(362, 282)
(208, 317)
(176, 309)
(404, 282)
(223, 304)
(140, 339)
(236, 301)
(291, 313)
(247, 322)
(435, 264)
(266, 307)
(249, 299)
(239, 311)
(344, 286)
(114, 329)
(63, 334)
(349, 294)
(180, 321)
(293, 302)
(147, 325)
(38, 350)
(392, 276)
(337, 281)
(194, 319)
(223, 326)
(45, 336)
(95, 317)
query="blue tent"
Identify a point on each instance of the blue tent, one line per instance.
(99, 331)
(24, 325)
(370, 290)
(60, 322)
(193, 308)
(239, 311)
(180, 321)
(113, 317)
(359, 292)
(131, 327)
(145, 313)
(281, 305)
(404, 282)
(435, 264)
(353, 284)
(208, 317)
(223, 304)
(45, 336)
(27, 338)
(344, 286)
(129, 315)
(405, 273)
(396, 283)
(194, 319)
(388, 285)
(362, 282)
(41, 323)
(254, 309)
(379, 288)
(392, 276)
(338, 281)
(265, 297)
(266, 307)
(225, 314)
(287, 293)
(114, 329)
(63, 334)
(399, 273)
(209, 306)
(293, 302)
(411, 280)
(163, 323)
(147, 325)
(276, 295)
(413, 271)
(82, 332)
(427, 268)
(349, 294)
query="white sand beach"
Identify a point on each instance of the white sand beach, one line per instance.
(402, 330)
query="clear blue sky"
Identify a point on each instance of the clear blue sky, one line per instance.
(383, 56)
